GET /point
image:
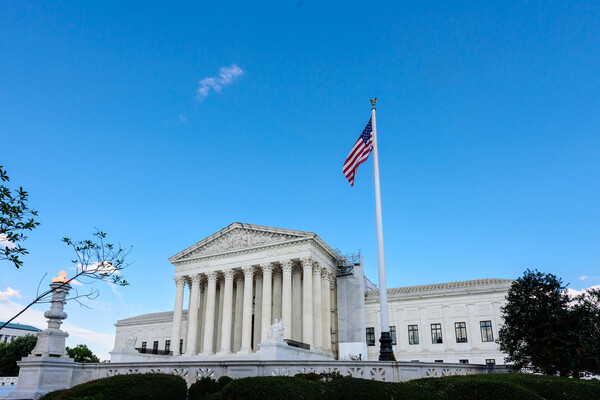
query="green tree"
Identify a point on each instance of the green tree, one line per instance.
(548, 332)
(585, 341)
(82, 354)
(12, 352)
(15, 219)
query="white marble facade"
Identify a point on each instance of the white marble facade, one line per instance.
(240, 280)
(449, 322)
(237, 282)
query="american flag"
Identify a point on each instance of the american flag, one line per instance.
(359, 153)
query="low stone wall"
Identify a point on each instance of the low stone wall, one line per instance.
(40, 375)
(8, 380)
(193, 370)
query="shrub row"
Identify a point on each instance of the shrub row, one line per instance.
(332, 387)
(126, 387)
(473, 387)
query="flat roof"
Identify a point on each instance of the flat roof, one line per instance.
(21, 326)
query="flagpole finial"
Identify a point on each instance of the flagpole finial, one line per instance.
(373, 101)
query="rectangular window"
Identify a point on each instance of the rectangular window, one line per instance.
(486, 331)
(143, 346)
(461, 332)
(490, 361)
(155, 347)
(436, 333)
(413, 334)
(463, 361)
(393, 335)
(439, 361)
(167, 346)
(180, 346)
(370, 336)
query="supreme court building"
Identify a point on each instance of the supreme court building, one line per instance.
(242, 290)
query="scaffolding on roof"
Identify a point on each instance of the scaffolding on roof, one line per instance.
(346, 263)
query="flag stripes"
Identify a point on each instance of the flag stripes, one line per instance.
(359, 153)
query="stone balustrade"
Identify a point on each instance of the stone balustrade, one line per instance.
(194, 370)
(8, 380)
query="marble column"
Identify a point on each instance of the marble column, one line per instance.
(188, 283)
(276, 295)
(192, 343)
(334, 316)
(307, 302)
(239, 304)
(317, 315)
(202, 314)
(178, 311)
(219, 314)
(326, 311)
(267, 271)
(246, 346)
(286, 298)
(227, 312)
(296, 330)
(258, 280)
(209, 324)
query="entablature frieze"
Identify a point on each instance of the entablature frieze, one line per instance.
(281, 248)
(274, 255)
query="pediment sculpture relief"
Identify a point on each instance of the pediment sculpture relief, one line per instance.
(241, 238)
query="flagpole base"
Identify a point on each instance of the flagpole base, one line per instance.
(385, 350)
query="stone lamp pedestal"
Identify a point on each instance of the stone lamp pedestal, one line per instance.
(48, 367)
(51, 342)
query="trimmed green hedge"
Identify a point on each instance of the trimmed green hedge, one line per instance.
(333, 387)
(126, 387)
(273, 388)
(203, 388)
(472, 387)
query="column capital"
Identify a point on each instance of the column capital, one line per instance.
(212, 276)
(286, 265)
(307, 262)
(179, 280)
(266, 267)
(228, 274)
(317, 269)
(248, 271)
(332, 281)
(196, 278)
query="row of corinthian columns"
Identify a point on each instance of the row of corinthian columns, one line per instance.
(312, 296)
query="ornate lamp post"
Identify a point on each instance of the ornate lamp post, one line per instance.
(52, 341)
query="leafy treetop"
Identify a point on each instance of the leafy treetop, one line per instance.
(15, 219)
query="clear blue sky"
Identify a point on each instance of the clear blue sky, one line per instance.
(488, 121)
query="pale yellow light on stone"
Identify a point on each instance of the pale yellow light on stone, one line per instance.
(61, 278)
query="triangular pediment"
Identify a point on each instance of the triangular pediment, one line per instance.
(239, 236)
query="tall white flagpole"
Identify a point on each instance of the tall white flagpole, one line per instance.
(385, 350)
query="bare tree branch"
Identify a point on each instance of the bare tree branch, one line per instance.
(96, 260)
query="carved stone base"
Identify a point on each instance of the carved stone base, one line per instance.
(40, 375)
(50, 343)
(281, 351)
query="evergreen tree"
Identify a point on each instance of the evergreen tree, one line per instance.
(12, 352)
(82, 354)
(548, 332)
